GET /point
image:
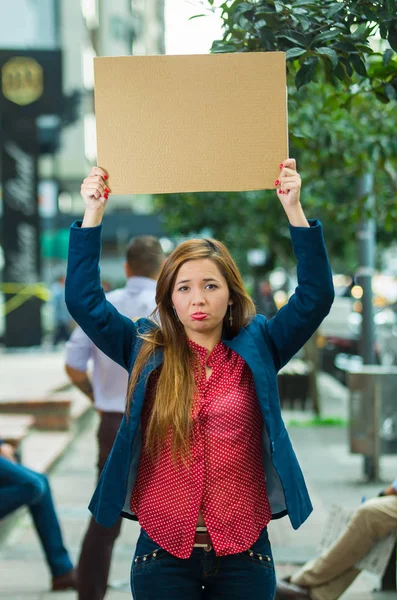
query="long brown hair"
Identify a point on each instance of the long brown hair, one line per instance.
(176, 388)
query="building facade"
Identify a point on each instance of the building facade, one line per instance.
(81, 30)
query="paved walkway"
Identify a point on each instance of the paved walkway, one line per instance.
(31, 374)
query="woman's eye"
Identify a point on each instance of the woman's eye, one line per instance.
(211, 286)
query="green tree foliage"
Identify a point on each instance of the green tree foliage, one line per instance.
(336, 138)
(331, 38)
(342, 121)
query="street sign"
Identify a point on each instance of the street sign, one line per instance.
(31, 83)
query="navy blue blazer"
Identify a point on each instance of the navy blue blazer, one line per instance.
(265, 345)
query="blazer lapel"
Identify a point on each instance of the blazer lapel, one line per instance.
(140, 389)
(244, 344)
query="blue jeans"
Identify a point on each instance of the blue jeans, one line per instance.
(20, 486)
(157, 575)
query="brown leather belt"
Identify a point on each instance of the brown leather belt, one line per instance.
(202, 540)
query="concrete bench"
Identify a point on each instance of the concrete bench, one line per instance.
(51, 412)
(35, 383)
(15, 428)
(294, 384)
(389, 579)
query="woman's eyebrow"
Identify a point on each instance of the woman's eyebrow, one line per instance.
(205, 280)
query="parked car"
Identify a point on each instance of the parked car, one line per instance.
(338, 334)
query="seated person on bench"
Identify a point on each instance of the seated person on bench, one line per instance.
(19, 486)
(329, 575)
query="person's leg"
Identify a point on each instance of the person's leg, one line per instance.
(248, 574)
(20, 486)
(97, 547)
(48, 528)
(157, 575)
(95, 559)
(330, 575)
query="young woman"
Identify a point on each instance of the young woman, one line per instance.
(202, 458)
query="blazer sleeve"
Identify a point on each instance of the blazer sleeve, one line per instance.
(108, 329)
(296, 322)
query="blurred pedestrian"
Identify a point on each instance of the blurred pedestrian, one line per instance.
(202, 457)
(106, 285)
(62, 320)
(20, 486)
(328, 576)
(267, 305)
(107, 389)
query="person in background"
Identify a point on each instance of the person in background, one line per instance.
(328, 576)
(62, 320)
(267, 305)
(20, 486)
(107, 389)
(106, 285)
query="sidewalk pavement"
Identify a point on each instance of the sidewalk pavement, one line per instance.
(34, 382)
(29, 373)
(332, 474)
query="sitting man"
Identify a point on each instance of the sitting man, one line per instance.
(20, 486)
(327, 577)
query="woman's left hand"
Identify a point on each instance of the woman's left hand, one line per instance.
(289, 183)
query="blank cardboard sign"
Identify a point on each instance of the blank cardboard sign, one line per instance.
(191, 123)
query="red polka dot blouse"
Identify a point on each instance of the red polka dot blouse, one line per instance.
(224, 477)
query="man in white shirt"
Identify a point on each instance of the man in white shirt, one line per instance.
(107, 389)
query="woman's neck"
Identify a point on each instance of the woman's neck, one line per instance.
(206, 341)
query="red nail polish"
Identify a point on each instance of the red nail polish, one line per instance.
(105, 196)
(107, 191)
(277, 182)
(280, 192)
(281, 166)
(106, 176)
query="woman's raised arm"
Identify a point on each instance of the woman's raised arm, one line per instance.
(296, 322)
(288, 190)
(111, 332)
(95, 194)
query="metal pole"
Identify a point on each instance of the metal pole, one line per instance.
(377, 402)
(366, 237)
(367, 245)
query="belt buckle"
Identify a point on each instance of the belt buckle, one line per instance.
(206, 547)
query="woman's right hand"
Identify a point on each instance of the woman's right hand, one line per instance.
(94, 191)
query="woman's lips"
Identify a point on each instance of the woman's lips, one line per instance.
(199, 316)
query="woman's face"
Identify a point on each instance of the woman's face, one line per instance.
(201, 298)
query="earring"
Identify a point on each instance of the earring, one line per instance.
(230, 315)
